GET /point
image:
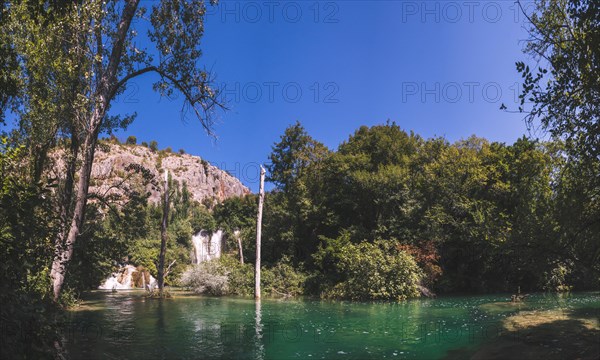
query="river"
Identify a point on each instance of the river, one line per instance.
(126, 325)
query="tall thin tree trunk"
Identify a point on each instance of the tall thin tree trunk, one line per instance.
(163, 237)
(261, 199)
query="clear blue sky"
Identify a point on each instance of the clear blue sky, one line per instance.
(435, 67)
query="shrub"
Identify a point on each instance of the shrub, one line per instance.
(145, 144)
(556, 279)
(169, 149)
(181, 151)
(240, 276)
(376, 271)
(131, 140)
(223, 276)
(153, 145)
(283, 279)
(209, 277)
(226, 276)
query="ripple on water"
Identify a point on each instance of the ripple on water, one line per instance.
(193, 327)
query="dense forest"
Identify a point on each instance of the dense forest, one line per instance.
(472, 216)
(382, 217)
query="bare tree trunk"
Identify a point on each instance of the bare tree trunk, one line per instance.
(261, 199)
(236, 233)
(163, 237)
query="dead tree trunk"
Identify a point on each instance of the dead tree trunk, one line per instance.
(261, 199)
(163, 237)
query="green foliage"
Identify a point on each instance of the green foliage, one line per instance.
(153, 146)
(238, 214)
(224, 276)
(209, 277)
(374, 271)
(563, 88)
(556, 279)
(131, 140)
(283, 279)
(26, 231)
(477, 216)
(227, 276)
(292, 155)
(240, 277)
(562, 92)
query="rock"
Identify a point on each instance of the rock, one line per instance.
(204, 181)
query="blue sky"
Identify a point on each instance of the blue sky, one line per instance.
(435, 67)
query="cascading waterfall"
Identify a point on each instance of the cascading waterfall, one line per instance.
(207, 246)
(123, 279)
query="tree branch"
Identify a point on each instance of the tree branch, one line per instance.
(193, 101)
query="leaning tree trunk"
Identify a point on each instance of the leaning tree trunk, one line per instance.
(163, 237)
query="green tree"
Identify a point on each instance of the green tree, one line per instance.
(131, 140)
(370, 271)
(153, 145)
(291, 155)
(564, 90)
(294, 169)
(94, 75)
(26, 232)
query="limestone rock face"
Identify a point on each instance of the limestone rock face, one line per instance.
(204, 181)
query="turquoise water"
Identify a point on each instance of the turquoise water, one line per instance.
(125, 325)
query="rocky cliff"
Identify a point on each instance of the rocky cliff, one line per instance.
(110, 173)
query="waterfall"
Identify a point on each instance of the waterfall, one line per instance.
(123, 279)
(206, 246)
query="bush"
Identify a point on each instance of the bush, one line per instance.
(375, 271)
(144, 144)
(153, 145)
(226, 276)
(240, 276)
(209, 277)
(169, 149)
(283, 279)
(556, 279)
(131, 140)
(181, 151)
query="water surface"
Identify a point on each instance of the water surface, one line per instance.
(126, 325)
